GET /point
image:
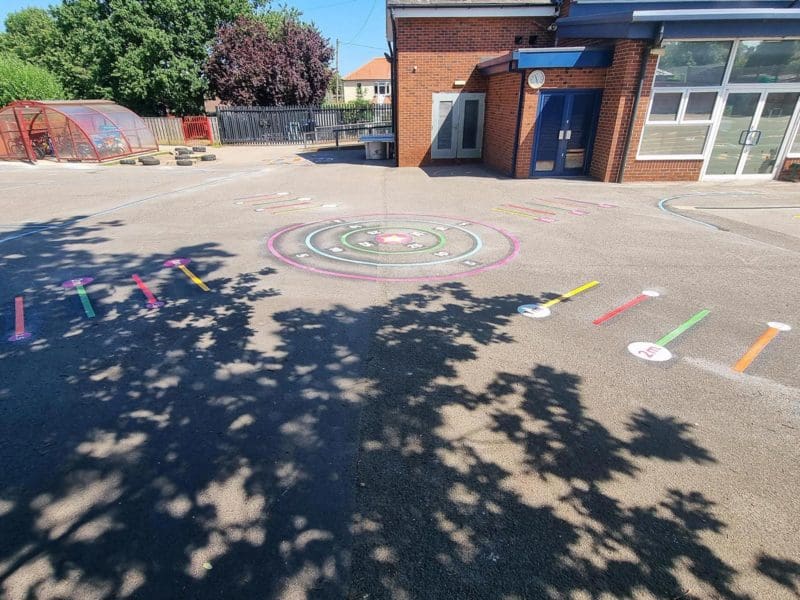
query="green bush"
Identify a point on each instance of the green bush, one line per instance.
(20, 80)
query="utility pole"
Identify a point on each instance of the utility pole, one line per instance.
(338, 74)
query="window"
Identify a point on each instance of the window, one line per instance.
(678, 124)
(383, 88)
(680, 114)
(692, 64)
(766, 62)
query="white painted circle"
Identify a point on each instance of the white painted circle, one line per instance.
(536, 79)
(649, 351)
(780, 326)
(534, 311)
(651, 293)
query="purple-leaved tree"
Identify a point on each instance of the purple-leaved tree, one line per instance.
(248, 65)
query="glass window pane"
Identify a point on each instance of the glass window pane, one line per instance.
(470, 136)
(700, 106)
(772, 126)
(665, 107)
(668, 140)
(795, 149)
(444, 135)
(766, 62)
(692, 64)
(737, 117)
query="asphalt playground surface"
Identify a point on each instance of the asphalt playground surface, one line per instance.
(318, 426)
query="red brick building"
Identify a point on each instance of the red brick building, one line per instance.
(616, 90)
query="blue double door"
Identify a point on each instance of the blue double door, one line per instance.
(565, 127)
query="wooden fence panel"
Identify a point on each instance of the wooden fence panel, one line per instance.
(168, 130)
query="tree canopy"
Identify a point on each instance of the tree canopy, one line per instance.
(250, 64)
(149, 55)
(20, 80)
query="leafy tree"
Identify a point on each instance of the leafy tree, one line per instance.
(20, 80)
(146, 55)
(250, 65)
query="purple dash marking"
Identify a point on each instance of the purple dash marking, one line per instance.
(288, 261)
(76, 282)
(177, 262)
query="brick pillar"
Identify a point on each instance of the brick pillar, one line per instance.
(622, 83)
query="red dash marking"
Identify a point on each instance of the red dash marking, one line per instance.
(145, 290)
(619, 309)
(19, 321)
(544, 212)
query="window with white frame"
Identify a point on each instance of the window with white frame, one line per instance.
(383, 88)
(794, 149)
(687, 84)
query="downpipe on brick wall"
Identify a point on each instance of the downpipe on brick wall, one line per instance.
(635, 109)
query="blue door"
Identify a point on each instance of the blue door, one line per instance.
(565, 129)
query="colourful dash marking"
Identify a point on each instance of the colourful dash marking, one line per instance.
(600, 204)
(281, 201)
(657, 351)
(181, 264)
(572, 211)
(542, 310)
(152, 301)
(515, 212)
(571, 293)
(544, 212)
(19, 321)
(284, 205)
(773, 329)
(630, 304)
(241, 199)
(280, 212)
(84, 297)
(683, 327)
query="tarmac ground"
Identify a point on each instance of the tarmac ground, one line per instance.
(352, 389)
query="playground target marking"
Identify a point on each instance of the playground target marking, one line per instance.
(394, 247)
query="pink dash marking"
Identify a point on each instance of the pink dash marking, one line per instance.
(19, 321)
(152, 301)
(289, 261)
(613, 313)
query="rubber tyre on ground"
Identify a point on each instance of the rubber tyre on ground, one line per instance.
(182, 150)
(184, 162)
(128, 161)
(198, 148)
(149, 161)
(208, 157)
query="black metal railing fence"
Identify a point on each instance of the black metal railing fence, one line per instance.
(300, 124)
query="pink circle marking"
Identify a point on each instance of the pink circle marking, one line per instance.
(176, 262)
(393, 238)
(289, 261)
(77, 281)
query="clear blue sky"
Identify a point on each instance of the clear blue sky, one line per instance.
(357, 23)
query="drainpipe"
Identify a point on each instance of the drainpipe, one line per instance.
(395, 110)
(635, 109)
(520, 106)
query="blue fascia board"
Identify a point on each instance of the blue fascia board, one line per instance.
(764, 23)
(552, 58)
(594, 8)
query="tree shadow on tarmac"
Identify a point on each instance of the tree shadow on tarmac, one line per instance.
(206, 451)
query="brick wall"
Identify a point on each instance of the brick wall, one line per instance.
(500, 121)
(556, 79)
(622, 84)
(444, 50)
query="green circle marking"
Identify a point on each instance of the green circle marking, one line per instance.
(438, 235)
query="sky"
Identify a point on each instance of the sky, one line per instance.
(359, 25)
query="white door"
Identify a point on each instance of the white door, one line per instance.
(751, 133)
(457, 125)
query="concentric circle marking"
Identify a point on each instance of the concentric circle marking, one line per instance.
(335, 250)
(373, 247)
(440, 239)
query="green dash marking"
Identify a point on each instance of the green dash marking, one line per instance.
(87, 305)
(684, 327)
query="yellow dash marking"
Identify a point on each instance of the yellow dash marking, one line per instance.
(570, 293)
(514, 212)
(194, 278)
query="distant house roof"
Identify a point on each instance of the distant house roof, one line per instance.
(377, 68)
